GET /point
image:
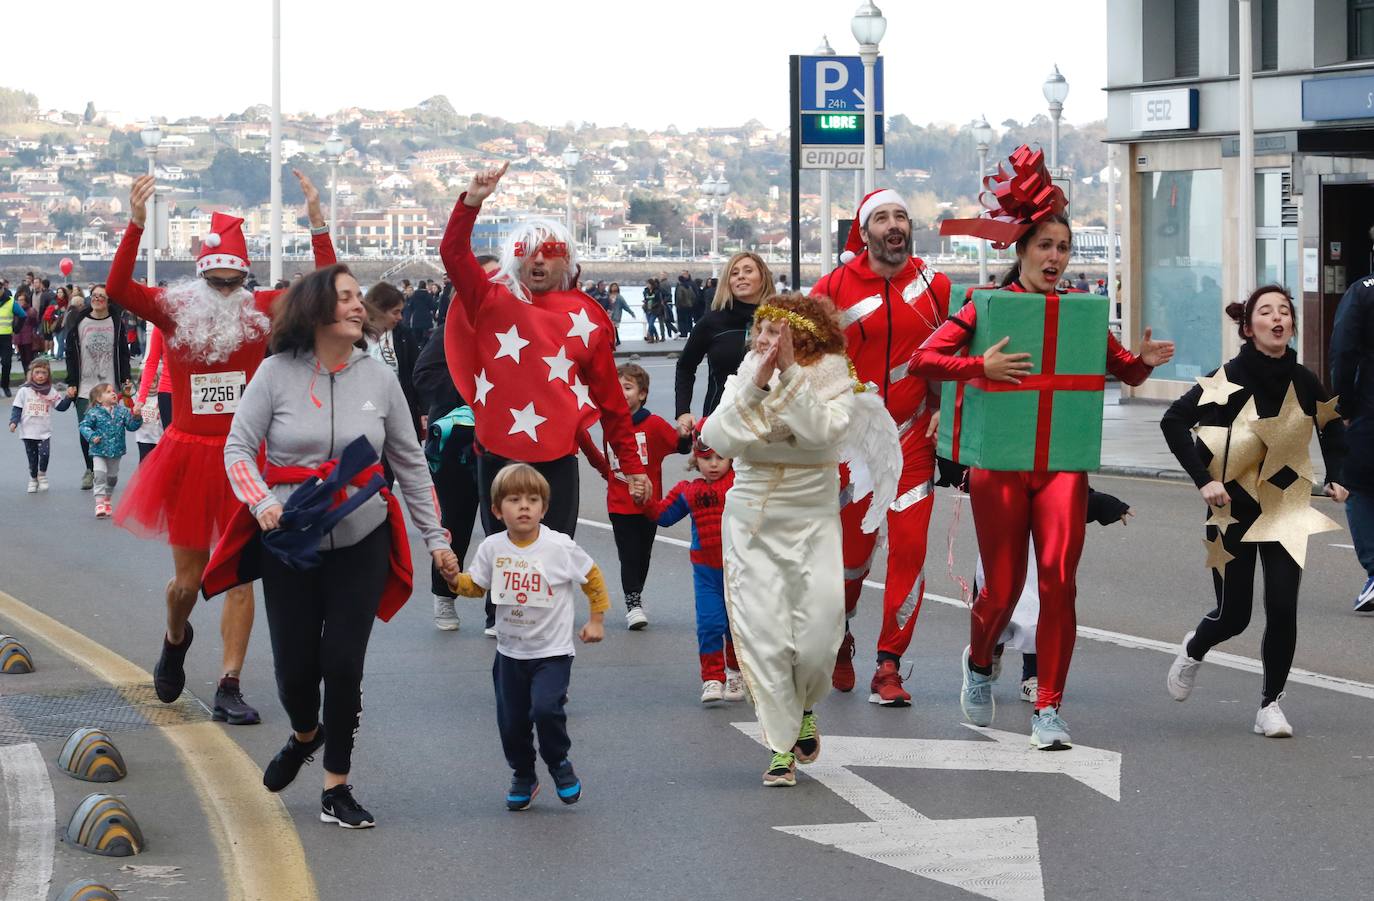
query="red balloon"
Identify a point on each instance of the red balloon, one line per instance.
(66, 265)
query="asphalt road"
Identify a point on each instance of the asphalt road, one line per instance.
(673, 807)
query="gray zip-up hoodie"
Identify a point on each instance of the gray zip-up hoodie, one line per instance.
(308, 415)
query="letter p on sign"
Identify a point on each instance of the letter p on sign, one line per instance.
(830, 76)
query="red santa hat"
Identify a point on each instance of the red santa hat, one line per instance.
(224, 247)
(854, 244)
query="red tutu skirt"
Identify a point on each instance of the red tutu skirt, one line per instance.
(180, 492)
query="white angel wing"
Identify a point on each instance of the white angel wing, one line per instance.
(874, 455)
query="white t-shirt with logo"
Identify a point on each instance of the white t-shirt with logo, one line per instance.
(532, 588)
(97, 337)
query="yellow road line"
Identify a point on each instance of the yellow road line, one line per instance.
(260, 853)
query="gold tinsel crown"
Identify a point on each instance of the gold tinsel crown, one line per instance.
(796, 320)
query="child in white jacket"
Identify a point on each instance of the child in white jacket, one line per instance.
(31, 417)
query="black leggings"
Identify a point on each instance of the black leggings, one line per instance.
(1236, 597)
(37, 450)
(82, 405)
(164, 408)
(320, 622)
(6, 360)
(455, 484)
(634, 543)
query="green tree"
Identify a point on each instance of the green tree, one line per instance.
(64, 221)
(89, 116)
(16, 106)
(247, 174)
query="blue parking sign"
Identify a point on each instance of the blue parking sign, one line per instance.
(836, 84)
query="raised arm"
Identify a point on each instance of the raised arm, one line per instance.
(460, 264)
(320, 242)
(144, 301)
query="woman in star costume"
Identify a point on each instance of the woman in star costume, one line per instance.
(1010, 508)
(535, 356)
(788, 417)
(1253, 419)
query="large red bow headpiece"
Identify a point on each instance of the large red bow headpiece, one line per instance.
(1013, 202)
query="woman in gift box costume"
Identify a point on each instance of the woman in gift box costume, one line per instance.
(1045, 500)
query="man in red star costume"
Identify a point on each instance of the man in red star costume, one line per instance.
(215, 333)
(889, 302)
(534, 356)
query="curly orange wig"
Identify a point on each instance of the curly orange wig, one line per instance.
(815, 324)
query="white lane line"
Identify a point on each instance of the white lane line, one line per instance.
(27, 830)
(1230, 661)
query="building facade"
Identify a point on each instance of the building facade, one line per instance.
(1173, 114)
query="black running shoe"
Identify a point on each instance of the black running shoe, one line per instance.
(522, 792)
(337, 806)
(169, 676)
(569, 786)
(230, 707)
(282, 770)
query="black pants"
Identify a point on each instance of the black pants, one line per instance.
(455, 484)
(164, 408)
(144, 449)
(82, 405)
(320, 622)
(6, 360)
(684, 321)
(37, 450)
(634, 543)
(529, 700)
(1235, 590)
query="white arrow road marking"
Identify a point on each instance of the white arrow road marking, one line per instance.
(996, 857)
(27, 833)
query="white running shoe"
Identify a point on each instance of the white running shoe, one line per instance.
(489, 631)
(445, 615)
(1183, 672)
(1271, 723)
(1030, 689)
(33, 486)
(42, 481)
(712, 691)
(1049, 732)
(734, 685)
(635, 618)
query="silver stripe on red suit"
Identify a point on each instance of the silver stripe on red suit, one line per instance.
(913, 497)
(861, 310)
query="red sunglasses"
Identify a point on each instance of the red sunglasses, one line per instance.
(548, 249)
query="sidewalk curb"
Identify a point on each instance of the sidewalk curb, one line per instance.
(1145, 472)
(642, 354)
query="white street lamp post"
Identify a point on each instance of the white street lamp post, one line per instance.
(275, 269)
(334, 150)
(1056, 89)
(827, 248)
(570, 160)
(982, 133)
(1246, 131)
(868, 27)
(152, 136)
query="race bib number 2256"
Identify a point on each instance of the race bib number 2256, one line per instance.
(217, 392)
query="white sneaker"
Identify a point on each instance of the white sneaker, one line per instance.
(1271, 723)
(1183, 672)
(734, 685)
(712, 691)
(42, 481)
(1030, 689)
(635, 619)
(33, 486)
(445, 616)
(489, 631)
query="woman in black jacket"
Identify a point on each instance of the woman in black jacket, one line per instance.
(80, 339)
(1253, 420)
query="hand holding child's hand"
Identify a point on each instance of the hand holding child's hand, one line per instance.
(95, 440)
(447, 562)
(71, 391)
(592, 632)
(13, 426)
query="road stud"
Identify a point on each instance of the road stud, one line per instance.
(90, 756)
(14, 657)
(101, 824)
(87, 890)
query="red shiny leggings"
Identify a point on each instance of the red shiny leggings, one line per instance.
(1051, 507)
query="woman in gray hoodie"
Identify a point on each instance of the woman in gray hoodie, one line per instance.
(318, 393)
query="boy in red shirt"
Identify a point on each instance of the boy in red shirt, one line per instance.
(655, 438)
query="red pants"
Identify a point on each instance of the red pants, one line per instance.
(908, 521)
(1052, 508)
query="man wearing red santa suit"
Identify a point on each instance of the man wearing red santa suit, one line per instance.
(535, 357)
(215, 334)
(889, 302)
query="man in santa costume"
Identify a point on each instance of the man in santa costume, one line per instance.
(215, 335)
(889, 303)
(535, 356)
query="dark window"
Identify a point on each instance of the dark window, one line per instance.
(1185, 38)
(1269, 36)
(1361, 19)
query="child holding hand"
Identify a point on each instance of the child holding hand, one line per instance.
(530, 571)
(103, 427)
(31, 417)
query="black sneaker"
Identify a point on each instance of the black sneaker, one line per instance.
(568, 785)
(230, 707)
(522, 792)
(282, 770)
(169, 676)
(337, 806)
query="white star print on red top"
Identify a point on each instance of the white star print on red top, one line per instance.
(538, 373)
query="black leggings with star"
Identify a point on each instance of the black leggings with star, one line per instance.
(1235, 590)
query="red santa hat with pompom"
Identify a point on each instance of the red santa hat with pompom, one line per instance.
(224, 246)
(854, 244)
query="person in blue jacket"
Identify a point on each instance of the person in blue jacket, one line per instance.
(103, 427)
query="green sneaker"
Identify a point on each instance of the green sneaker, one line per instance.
(808, 746)
(782, 771)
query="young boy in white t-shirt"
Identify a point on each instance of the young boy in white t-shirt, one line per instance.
(530, 571)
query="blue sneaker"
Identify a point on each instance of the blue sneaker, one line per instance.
(1365, 602)
(1049, 732)
(976, 697)
(566, 781)
(522, 791)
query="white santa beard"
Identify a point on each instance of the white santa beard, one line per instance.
(211, 326)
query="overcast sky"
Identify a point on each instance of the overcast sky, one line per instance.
(649, 63)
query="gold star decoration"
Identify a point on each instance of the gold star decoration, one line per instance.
(1286, 439)
(1217, 555)
(1245, 451)
(1216, 388)
(1220, 516)
(1326, 411)
(1286, 516)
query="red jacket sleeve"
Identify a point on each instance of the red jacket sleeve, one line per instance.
(593, 453)
(142, 301)
(460, 264)
(610, 399)
(1125, 365)
(937, 358)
